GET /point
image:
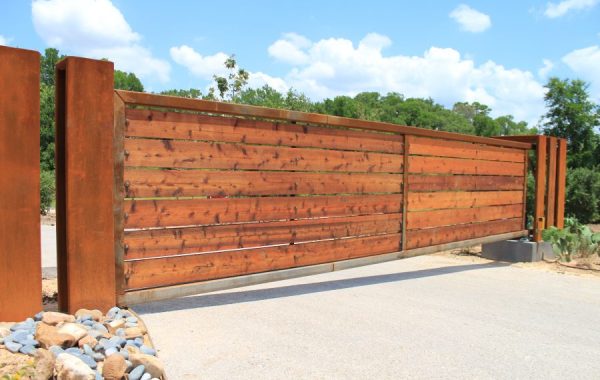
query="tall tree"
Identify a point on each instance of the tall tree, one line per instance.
(127, 81)
(573, 116)
(231, 85)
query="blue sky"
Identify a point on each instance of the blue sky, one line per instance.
(498, 53)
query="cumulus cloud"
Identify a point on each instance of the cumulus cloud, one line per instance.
(97, 29)
(470, 20)
(585, 63)
(288, 49)
(4, 40)
(336, 66)
(548, 65)
(554, 10)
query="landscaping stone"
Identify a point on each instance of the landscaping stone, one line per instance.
(96, 315)
(87, 340)
(53, 318)
(114, 367)
(152, 365)
(12, 346)
(69, 367)
(137, 373)
(73, 329)
(44, 366)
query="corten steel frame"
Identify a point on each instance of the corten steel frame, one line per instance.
(550, 181)
(99, 198)
(20, 258)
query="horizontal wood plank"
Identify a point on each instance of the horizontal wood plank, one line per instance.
(186, 126)
(418, 182)
(199, 105)
(438, 218)
(165, 213)
(445, 200)
(174, 241)
(446, 148)
(213, 155)
(147, 183)
(202, 267)
(433, 236)
(445, 165)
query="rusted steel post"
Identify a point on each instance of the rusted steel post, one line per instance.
(561, 182)
(20, 258)
(84, 165)
(551, 193)
(540, 188)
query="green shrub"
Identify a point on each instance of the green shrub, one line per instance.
(574, 240)
(583, 195)
(47, 190)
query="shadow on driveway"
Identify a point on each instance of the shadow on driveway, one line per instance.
(220, 299)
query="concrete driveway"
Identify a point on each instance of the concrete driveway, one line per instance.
(428, 317)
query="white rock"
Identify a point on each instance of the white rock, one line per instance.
(75, 330)
(69, 367)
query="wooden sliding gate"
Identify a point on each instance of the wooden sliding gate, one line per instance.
(208, 195)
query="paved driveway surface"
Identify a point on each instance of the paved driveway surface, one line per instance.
(427, 317)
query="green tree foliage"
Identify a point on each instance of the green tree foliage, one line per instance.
(267, 96)
(573, 116)
(47, 190)
(192, 93)
(231, 85)
(127, 81)
(583, 194)
(47, 62)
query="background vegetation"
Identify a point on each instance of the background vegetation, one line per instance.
(571, 114)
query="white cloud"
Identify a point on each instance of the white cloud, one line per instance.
(96, 28)
(201, 66)
(335, 66)
(544, 70)
(554, 10)
(586, 63)
(289, 49)
(470, 20)
(4, 40)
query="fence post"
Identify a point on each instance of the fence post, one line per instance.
(84, 167)
(20, 258)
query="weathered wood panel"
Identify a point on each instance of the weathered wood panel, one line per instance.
(182, 269)
(437, 218)
(164, 213)
(181, 183)
(445, 148)
(174, 241)
(185, 126)
(445, 165)
(441, 235)
(445, 200)
(463, 183)
(214, 155)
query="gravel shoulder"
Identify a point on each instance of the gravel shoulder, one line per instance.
(437, 316)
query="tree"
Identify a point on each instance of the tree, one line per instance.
(192, 93)
(573, 116)
(232, 84)
(127, 81)
(47, 63)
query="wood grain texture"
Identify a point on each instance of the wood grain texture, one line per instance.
(174, 241)
(214, 155)
(164, 213)
(446, 200)
(551, 192)
(198, 105)
(422, 146)
(184, 269)
(142, 183)
(463, 183)
(561, 182)
(438, 218)
(186, 126)
(445, 165)
(433, 236)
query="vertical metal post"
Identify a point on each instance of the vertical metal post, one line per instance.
(405, 189)
(20, 257)
(119, 192)
(540, 188)
(85, 184)
(551, 193)
(561, 182)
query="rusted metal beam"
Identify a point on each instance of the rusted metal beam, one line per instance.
(551, 191)
(167, 292)
(198, 105)
(561, 181)
(20, 258)
(85, 171)
(540, 188)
